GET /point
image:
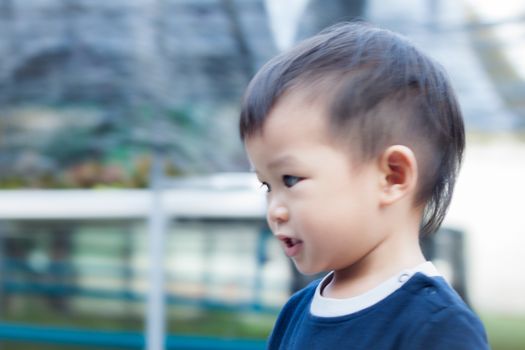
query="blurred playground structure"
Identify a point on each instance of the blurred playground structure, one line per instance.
(85, 253)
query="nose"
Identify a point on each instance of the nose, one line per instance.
(277, 213)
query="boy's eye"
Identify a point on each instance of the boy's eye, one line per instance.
(290, 180)
(266, 185)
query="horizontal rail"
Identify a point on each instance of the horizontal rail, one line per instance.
(58, 290)
(218, 201)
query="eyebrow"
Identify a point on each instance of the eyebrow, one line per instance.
(284, 160)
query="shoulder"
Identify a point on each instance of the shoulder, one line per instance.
(443, 319)
(434, 295)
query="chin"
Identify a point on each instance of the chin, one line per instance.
(308, 270)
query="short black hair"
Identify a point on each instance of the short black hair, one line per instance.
(379, 90)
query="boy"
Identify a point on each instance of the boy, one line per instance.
(358, 138)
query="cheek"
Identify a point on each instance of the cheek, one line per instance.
(320, 217)
(335, 213)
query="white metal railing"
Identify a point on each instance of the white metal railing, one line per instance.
(234, 195)
(229, 195)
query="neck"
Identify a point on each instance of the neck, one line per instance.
(398, 251)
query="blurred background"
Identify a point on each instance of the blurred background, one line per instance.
(126, 211)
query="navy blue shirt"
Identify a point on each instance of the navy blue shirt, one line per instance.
(424, 313)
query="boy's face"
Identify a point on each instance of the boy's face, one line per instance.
(322, 209)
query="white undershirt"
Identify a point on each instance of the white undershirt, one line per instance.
(329, 307)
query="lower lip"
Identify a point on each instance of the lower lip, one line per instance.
(293, 250)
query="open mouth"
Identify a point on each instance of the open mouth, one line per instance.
(292, 246)
(290, 242)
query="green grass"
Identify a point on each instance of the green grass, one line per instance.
(505, 332)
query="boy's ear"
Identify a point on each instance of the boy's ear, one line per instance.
(399, 173)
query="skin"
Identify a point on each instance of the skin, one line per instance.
(330, 212)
